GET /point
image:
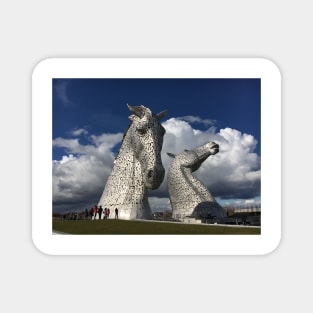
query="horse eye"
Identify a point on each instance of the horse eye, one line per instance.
(142, 130)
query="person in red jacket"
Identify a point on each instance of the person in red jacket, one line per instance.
(95, 211)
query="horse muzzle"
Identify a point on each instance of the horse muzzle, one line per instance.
(154, 178)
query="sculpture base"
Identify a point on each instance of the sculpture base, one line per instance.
(202, 210)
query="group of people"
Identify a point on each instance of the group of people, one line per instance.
(92, 213)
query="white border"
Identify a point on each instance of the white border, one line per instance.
(156, 68)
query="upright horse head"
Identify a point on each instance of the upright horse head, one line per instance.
(138, 166)
(146, 139)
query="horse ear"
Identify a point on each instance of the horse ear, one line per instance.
(161, 114)
(171, 155)
(139, 110)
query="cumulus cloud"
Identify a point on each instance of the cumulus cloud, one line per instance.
(233, 173)
(79, 177)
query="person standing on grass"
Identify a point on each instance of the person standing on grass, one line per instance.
(91, 213)
(95, 211)
(108, 213)
(116, 213)
(100, 211)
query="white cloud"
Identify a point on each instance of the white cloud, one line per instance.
(234, 172)
(79, 132)
(197, 119)
(100, 146)
(65, 159)
(79, 177)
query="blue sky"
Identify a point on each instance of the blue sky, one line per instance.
(90, 117)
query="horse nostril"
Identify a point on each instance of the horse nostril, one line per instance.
(150, 173)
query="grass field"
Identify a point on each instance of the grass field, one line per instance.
(123, 227)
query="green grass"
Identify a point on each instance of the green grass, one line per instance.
(123, 227)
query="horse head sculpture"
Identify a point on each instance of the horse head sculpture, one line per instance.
(146, 139)
(188, 196)
(138, 166)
